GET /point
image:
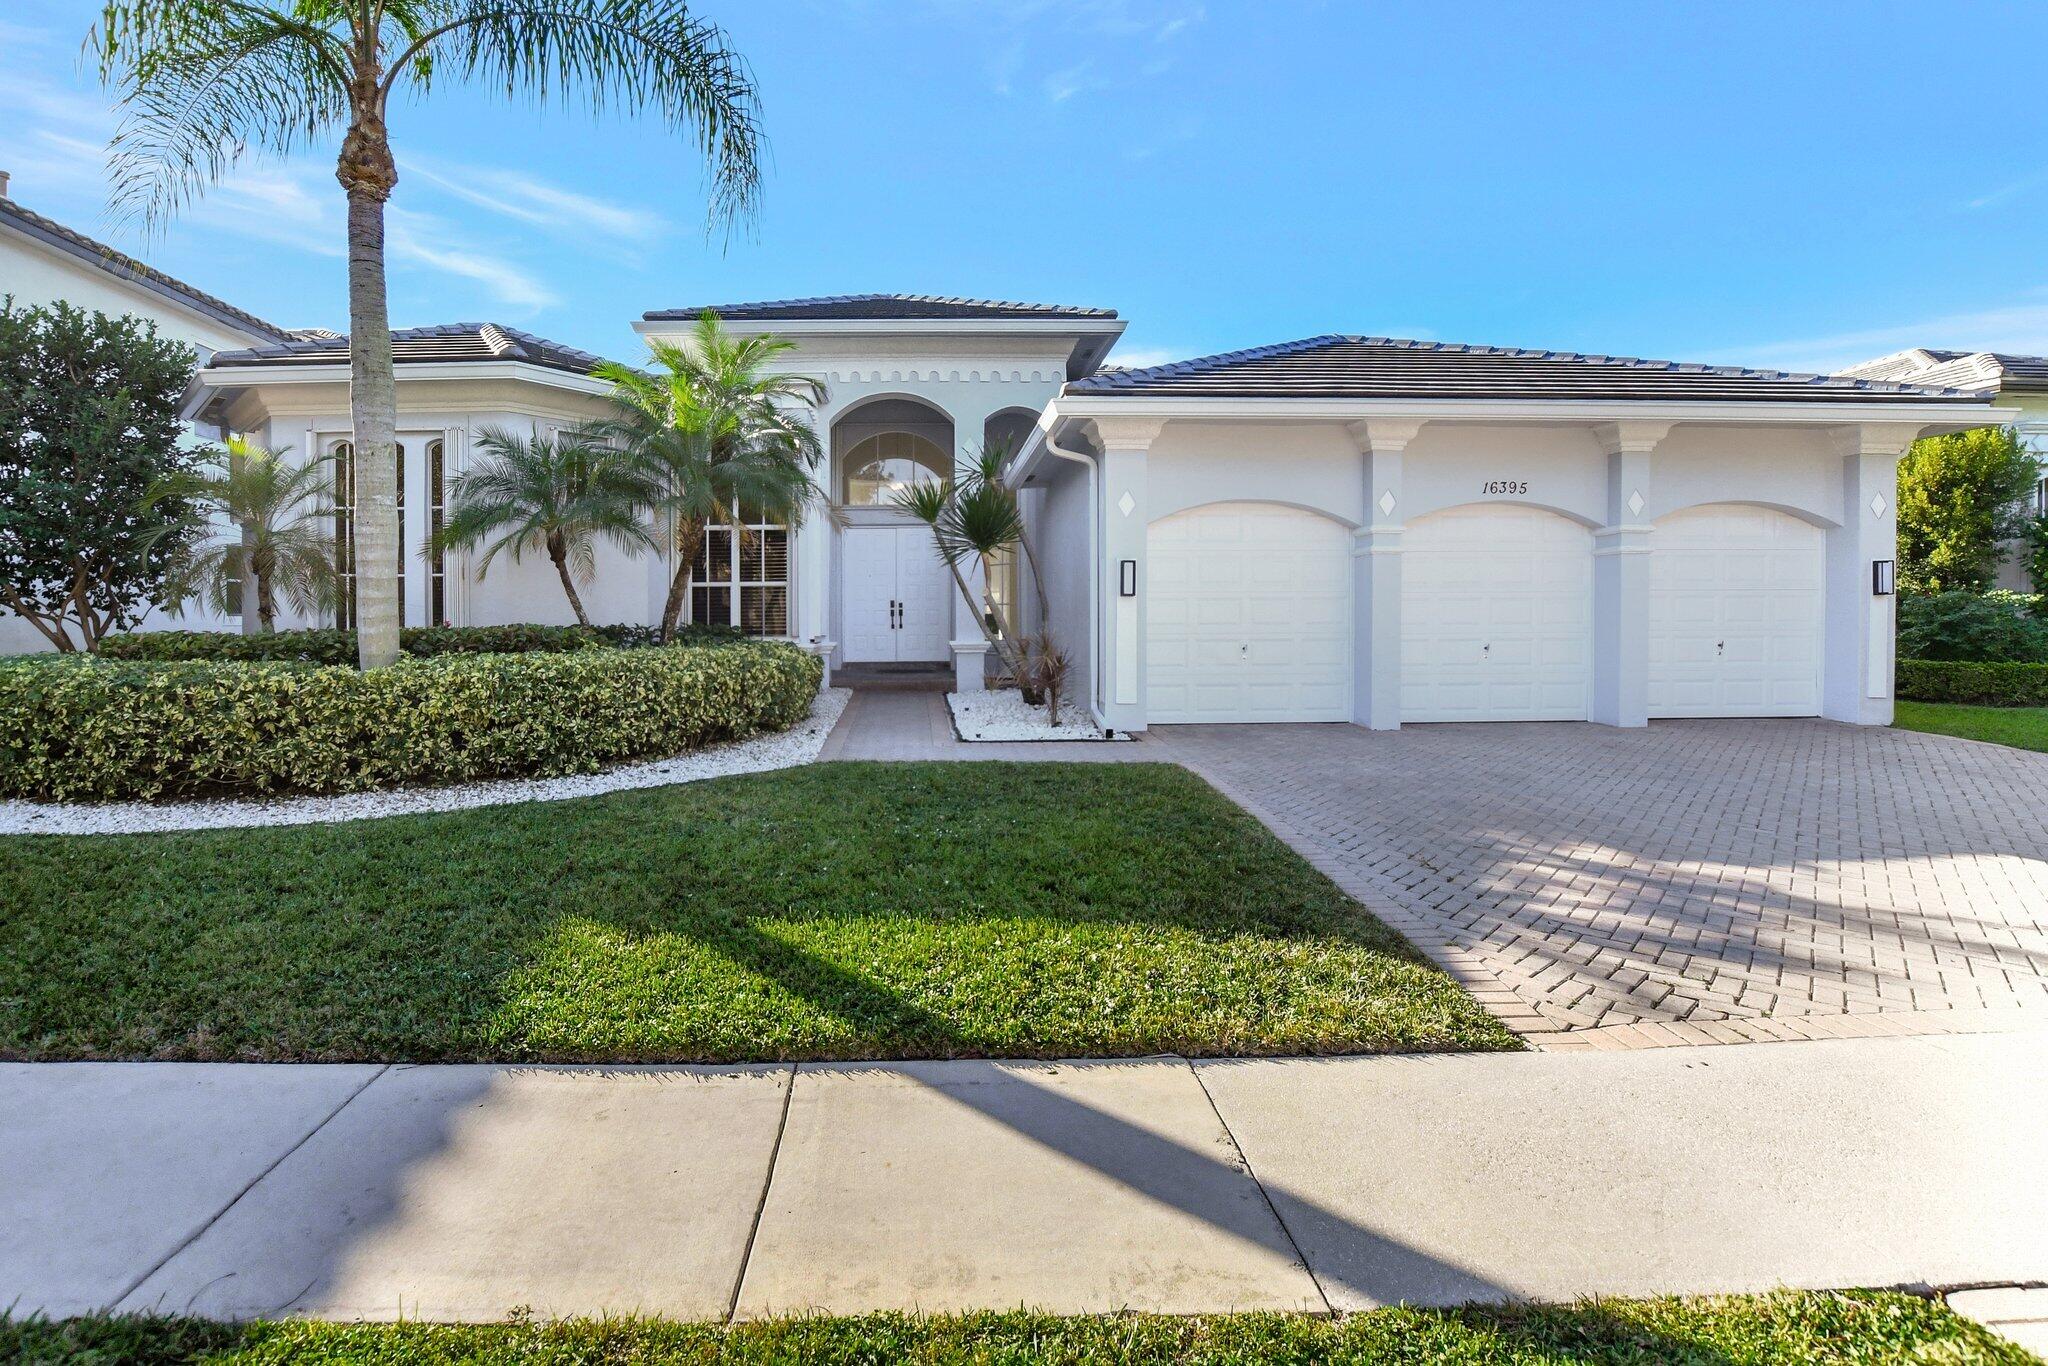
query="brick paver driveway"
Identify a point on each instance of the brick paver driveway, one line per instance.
(1705, 872)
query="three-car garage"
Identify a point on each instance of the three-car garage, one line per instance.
(1390, 533)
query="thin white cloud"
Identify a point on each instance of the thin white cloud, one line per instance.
(528, 199)
(1063, 85)
(1130, 37)
(2017, 327)
(419, 239)
(2009, 191)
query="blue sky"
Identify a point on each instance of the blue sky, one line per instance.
(1792, 185)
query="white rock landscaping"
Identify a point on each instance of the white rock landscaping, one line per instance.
(783, 749)
(1006, 716)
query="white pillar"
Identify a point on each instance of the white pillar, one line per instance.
(1621, 577)
(811, 552)
(1376, 574)
(1126, 446)
(1856, 680)
(970, 645)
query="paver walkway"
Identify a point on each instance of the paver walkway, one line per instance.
(468, 1192)
(1693, 882)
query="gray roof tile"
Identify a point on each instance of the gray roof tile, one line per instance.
(476, 342)
(1346, 366)
(876, 307)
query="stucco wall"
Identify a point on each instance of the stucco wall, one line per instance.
(1061, 539)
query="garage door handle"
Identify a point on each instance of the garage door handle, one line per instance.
(1486, 649)
(1720, 647)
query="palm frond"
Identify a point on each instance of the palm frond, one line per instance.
(642, 56)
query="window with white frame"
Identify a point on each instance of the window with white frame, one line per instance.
(741, 577)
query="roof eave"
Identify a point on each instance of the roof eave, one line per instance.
(220, 377)
(1933, 416)
(250, 325)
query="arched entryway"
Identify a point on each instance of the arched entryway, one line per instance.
(894, 593)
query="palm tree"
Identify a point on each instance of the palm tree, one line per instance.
(554, 494)
(200, 81)
(716, 435)
(973, 522)
(281, 538)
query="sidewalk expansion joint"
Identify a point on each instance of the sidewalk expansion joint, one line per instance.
(739, 1280)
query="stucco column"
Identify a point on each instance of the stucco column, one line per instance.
(1376, 574)
(970, 645)
(1126, 446)
(1856, 678)
(811, 554)
(1621, 577)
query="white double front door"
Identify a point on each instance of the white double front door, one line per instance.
(897, 595)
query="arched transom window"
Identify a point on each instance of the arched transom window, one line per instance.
(889, 461)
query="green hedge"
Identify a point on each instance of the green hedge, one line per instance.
(1987, 685)
(420, 642)
(79, 728)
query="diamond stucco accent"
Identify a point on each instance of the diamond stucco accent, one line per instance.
(1126, 503)
(1387, 503)
(1878, 505)
(1635, 503)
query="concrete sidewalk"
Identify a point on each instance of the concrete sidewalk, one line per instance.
(466, 1192)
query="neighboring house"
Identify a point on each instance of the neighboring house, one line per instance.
(43, 262)
(1342, 528)
(2016, 382)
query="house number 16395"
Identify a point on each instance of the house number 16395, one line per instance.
(1505, 486)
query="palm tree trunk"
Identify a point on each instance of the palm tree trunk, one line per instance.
(367, 171)
(559, 553)
(260, 569)
(689, 540)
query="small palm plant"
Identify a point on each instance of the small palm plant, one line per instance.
(555, 494)
(715, 436)
(255, 516)
(973, 523)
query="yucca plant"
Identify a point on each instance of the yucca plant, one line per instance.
(202, 81)
(972, 525)
(713, 433)
(558, 495)
(986, 471)
(253, 515)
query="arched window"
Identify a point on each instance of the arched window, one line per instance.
(889, 461)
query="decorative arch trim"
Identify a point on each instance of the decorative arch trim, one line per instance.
(1580, 519)
(1324, 513)
(1806, 515)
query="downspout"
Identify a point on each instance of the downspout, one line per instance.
(1094, 574)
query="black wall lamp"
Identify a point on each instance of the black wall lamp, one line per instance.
(1127, 579)
(1881, 578)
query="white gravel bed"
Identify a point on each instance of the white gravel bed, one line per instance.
(784, 749)
(1007, 716)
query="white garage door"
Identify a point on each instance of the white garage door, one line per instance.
(1496, 616)
(1735, 614)
(1249, 616)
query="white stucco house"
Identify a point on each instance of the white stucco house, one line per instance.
(1340, 529)
(2018, 383)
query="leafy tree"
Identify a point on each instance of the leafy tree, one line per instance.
(715, 434)
(201, 81)
(1959, 497)
(89, 429)
(276, 534)
(2036, 552)
(558, 495)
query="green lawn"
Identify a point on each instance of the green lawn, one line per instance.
(835, 911)
(2020, 727)
(1784, 1329)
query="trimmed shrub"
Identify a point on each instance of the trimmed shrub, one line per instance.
(420, 642)
(74, 727)
(1994, 627)
(1974, 683)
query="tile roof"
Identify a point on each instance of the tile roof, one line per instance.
(421, 345)
(1334, 366)
(77, 244)
(1987, 370)
(877, 307)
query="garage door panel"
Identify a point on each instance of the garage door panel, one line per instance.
(1736, 603)
(1496, 616)
(1266, 631)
